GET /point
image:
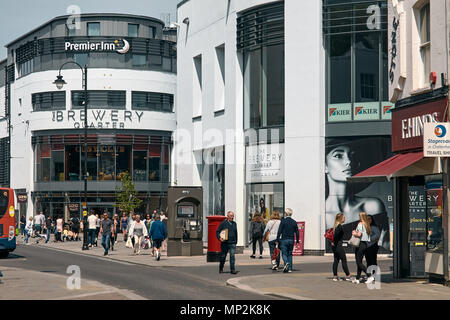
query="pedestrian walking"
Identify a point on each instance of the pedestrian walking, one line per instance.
(124, 226)
(48, 227)
(116, 226)
(372, 245)
(92, 222)
(338, 249)
(228, 236)
(28, 229)
(272, 230)
(97, 228)
(59, 228)
(131, 221)
(107, 231)
(285, 239)
(23, 223)
(138, 231)
(158, 232)
(164, 220)
(363, 232)
(257, 227)
(39, 221)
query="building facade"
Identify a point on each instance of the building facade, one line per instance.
(271, 93)
(131, 83)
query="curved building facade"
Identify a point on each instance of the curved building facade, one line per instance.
(131, 84)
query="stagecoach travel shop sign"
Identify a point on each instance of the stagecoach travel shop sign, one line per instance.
(101, 119)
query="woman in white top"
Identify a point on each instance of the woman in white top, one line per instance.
(28, 229)
(363, 231)
(138, 231)
(272, 227)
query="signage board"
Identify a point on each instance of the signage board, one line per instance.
(386, 110)
(408, 123)
(22, 198)
(363, 111)
(340, 112)
(298, 249)
(74, 207)
(264, 163)
(121, 46)
(436, 139)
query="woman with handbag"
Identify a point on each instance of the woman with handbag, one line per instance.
(257, 231)
(270, 234)
(362, 232)
(338, 250)
(372, 245)
(138, 231)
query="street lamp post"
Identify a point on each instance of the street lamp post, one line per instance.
(59, 82)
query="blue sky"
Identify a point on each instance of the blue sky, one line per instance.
(21, 16)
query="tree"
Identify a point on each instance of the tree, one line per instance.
(127, 199)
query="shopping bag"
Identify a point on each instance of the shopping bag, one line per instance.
(129, 244)
(276, 253)
(354, 241)
(145, 244)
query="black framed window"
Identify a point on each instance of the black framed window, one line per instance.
(133, 30)
(48, 101)
(100, 99)
(93, 29)
(151, 101)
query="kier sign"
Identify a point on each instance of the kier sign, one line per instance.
(408, 124)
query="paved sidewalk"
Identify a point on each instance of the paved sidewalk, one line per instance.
(21, 284)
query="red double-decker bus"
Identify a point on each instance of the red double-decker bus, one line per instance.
(7, 222)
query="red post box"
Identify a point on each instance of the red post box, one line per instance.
(213, 254)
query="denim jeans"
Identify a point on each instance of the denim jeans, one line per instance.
(48, 235)
(91, 236)
(106, 238)
(225, 248)
(272, 245)
(286, 247)
(27, 235)
(22, 230)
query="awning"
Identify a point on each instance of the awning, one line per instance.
(401, 165)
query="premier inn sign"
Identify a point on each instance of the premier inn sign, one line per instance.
(120, 46)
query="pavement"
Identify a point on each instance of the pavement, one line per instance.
(311, 279)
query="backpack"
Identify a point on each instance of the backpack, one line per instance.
(329, 235)
(257, 229)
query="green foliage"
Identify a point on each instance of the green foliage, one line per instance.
(127, 199)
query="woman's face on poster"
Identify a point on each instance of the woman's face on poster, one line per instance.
(339, 163)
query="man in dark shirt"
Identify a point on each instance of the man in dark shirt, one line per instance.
(229, 244)
(288, 228)
(48, 227)
(107, 230)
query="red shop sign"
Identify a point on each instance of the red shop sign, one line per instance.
(408, 122)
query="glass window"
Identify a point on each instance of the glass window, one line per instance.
(252, 90)
(154, 162)
(339, 78)
(424, 33)
(37, 153)
(57, 162)
(106, 170)
(81, 58)
(46, 101)
(367, 66)
(139, 60)
(71, 29)
(273, 85)
(91, 162)
(45, 162)
(139, 163)
(73, 163)
(133, 30)
(99, 99)
(93, 29)
(123, 160)
(152, 32)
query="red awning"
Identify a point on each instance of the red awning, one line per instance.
(404, 164)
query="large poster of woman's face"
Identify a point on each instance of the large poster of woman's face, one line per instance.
(345, 157)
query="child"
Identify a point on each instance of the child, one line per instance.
(65, 233)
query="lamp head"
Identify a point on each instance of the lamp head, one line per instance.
(59, 82)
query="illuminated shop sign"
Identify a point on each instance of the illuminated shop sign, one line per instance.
(101, 119)
(120, 46)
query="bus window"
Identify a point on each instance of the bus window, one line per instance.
(3, 203)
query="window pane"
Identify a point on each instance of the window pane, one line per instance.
(106, 169)
(425, 24)
(133, 30)
(367, 70)
(73, 163)
(91, 162)
(252, 94)
(274, 85)
(339, 79)
(58, 164)
(139, 165)
(154, 162)
(123, 156)
(93, 29)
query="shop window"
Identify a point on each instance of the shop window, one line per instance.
(140, 163)
(57, 163)
(123, 160)
(213, 180)
(154, 163)
(93, 29)
(106, 170)
(91, 162)
(45, 157)
(133, 30)
(72, 163)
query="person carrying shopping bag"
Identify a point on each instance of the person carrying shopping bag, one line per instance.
(338, 249)
(285, 238)
(138, 231)
(270, 235)
(362, 231)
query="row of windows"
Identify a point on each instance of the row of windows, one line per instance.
(93, 30)
(103, 99)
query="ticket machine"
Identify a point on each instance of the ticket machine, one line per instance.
(185, 221)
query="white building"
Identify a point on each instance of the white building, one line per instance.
(131, 88)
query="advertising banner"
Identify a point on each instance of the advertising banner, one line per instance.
(436, 139)
(298, 249)
(366, 111)
(340, 112)
(345, 157)
(264, 163)
(386, 108)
